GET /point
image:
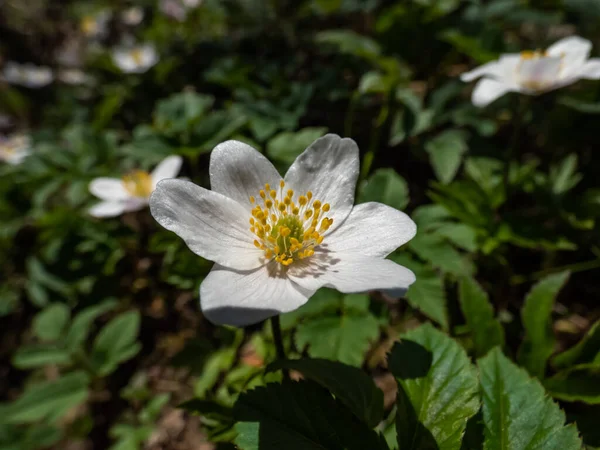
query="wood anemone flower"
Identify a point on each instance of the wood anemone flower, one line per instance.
(276, 240)
(534, 72)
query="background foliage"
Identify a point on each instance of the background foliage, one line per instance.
(101, 334)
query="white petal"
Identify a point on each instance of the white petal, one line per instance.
(124, 61)
(242, 298)
(107, 209)
(486, 91)
(371, 229)
(487, 69)
(329, 168)
(109, 189)
(238, 171)
(349, 273)
(574, 52)
(503, 69)
(540, 74)
(570, 44)
(212, 225)
(167, 168)
(591, 69)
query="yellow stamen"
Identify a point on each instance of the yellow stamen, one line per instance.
(138, 183)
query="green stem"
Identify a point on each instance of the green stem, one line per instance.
(375, 138)
(519, 119)
(276, 328)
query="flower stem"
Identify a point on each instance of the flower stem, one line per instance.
(519, 120)
(276, 328)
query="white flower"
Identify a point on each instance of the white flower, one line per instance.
(132, 191)
(14, 150)
(276, 241)
(135, 59)
(132, 16)
(95, 26)
(534, 72)
(74, 76)
(27, 75)
(178, 9)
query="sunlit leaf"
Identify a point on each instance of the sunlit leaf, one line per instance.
(517, 413)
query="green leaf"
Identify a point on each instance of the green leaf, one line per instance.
(344, 338)
(586, 351)
(351, 386)
(299, 416)
(49, 324)
(564, 176)
(48, 400)
(468, 45)
(427, 293)
(116, 342)
(81, 324)
(580, 105)
(487, 332)
(34, 356)
(577, 384)
(287, 145)
(516, 412)
(446, 152)
(440, 253)
(437, 390)
(350, 42)
(539, 340)
(385, 186)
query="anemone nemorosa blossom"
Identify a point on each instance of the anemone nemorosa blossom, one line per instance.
(135, 59)
(14, 149)
(28, 75)
(276, 240)
(132, 191)
(534, 72)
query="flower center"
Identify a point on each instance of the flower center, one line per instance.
(89, 25)
(536, 70)
(138, 183)
(137, 55)
(288, 228)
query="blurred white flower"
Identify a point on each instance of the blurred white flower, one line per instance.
(132, 191)
(135, 59)
(276, 241)
(28, 75)
(95, 26)
(178, 9)
(534, 72)
(74, 76)
(132, 16)
(14, 149)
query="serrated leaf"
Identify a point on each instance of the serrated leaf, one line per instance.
(299, 416)
(517, 413)
(446, 152)
(580, 383)
(385, 186)
(49, 324)
(47, 400)
(344, 338)
(40, 355)
(585, 351)
(116, 342)
(437, 390)
(539, 340)
(350, 385)
(486, 330)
